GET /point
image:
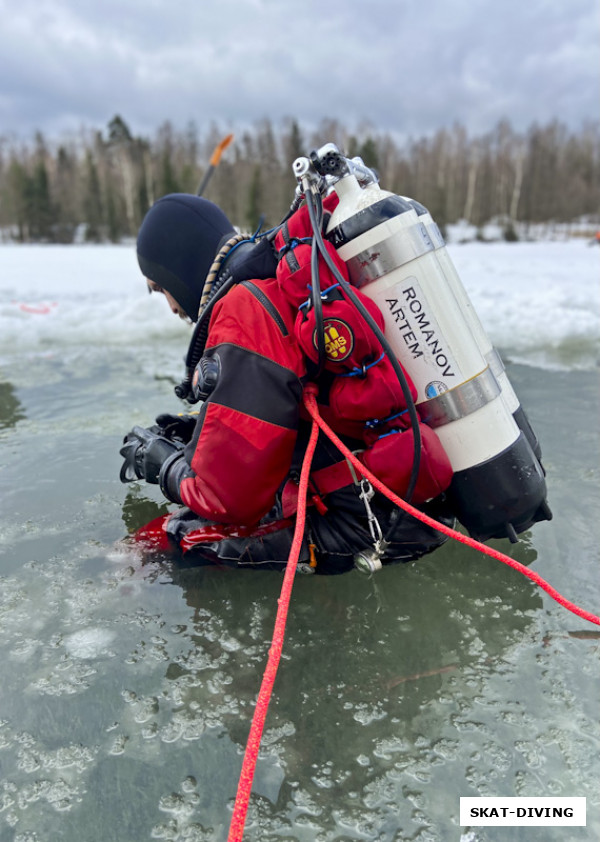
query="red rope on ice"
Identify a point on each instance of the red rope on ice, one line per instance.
(311, 405)
(236, 828)
(238, 820)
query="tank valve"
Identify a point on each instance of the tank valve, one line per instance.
(328, 160)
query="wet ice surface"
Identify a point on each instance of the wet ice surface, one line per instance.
(129, 683)
(129, 692)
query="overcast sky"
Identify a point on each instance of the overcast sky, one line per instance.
(405, 66)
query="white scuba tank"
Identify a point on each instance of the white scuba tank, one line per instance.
(401, 263)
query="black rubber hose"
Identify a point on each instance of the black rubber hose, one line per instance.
(315, 215)
(410, 404)
(198, 342)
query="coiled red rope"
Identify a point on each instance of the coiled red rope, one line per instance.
(236, 828)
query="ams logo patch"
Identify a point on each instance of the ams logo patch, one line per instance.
(339, 340)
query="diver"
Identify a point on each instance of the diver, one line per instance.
(235, 465)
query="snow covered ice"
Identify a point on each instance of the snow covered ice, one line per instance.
(539, 301)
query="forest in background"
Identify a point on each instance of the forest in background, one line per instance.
(96, 185)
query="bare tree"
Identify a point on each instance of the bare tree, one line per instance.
(46, 189)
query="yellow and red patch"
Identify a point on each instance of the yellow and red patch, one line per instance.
(339, 340)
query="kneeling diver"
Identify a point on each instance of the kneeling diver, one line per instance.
(235, 465)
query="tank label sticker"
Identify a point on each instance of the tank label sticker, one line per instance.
(435, 388)
(410, 317)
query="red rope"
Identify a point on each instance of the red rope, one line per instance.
(311, 405)
(236, 828)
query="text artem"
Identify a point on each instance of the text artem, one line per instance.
(418, 331)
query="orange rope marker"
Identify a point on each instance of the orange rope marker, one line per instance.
(214, 162)
(219, 149)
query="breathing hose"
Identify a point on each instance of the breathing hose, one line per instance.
(348, 289)
(213, 292)
(315, 213)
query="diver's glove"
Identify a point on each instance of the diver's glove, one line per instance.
(145, 452)
(176, 427)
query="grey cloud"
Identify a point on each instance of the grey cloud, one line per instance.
(403, 65)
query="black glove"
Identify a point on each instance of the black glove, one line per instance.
(144, 452)
(176, 427)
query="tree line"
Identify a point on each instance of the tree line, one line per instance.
(98, 185)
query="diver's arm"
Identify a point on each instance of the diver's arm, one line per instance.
(243, 444)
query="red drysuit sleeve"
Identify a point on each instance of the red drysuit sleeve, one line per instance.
(245, 436)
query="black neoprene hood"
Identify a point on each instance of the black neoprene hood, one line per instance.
(177, 243)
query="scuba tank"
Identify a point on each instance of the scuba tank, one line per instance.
(396, 258)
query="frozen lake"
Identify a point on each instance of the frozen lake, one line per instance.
(129, 687)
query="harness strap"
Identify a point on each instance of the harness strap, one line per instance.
(324, 481)
(333, 477)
